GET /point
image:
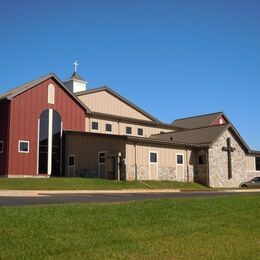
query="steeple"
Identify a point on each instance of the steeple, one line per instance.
(76, 83)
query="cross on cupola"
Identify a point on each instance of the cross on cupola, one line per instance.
(229, 149)
(75, 66)
(76, 83)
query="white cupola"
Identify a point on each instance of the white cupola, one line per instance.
(76, 83)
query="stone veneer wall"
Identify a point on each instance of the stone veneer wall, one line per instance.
(164, 173)
(218, 164)
(167, 173)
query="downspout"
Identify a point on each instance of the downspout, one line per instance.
(207, 160)
(135, 161)
(187, 165)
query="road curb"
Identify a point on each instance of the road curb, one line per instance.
(37, 193)
(33, 193)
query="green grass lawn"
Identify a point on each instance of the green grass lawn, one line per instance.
(212, 228)
(88, 184)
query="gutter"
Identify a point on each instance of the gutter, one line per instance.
(131, 120)
(159, 141)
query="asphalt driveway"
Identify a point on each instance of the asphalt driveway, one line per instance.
(46, 198)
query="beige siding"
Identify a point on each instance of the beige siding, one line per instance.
(86, 149)
(119, 128)
(105, 102)
(250, 163)
(137, 157)
(102, 126)
(147, 130)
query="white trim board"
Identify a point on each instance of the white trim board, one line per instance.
(50, 142)
(23, 141)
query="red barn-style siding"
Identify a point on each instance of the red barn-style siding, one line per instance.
(4, 122)
(217, 121)
(25, 111)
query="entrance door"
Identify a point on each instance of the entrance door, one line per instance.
(102, 164)
(153, 166)
(180, 166)
(50, 132)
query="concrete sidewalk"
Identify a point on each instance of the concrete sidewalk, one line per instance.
(42, 193)
(32, 193)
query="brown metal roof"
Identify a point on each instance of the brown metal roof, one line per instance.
(203, 136)
(76, 76)
(134, 120)
(197, 121)
(253, 152)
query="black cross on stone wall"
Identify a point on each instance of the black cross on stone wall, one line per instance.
(229, 150)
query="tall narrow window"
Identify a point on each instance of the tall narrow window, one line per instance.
(56, 144)
(71, 160)
(49, 143)
(101, 157)
(43, 142)
(201, 160)
(257, 163)
(51, 94)
(1, 146)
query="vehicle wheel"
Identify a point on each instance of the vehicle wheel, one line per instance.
(244, 186)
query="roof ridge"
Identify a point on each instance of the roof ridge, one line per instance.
(190, 129)
(26, 86)
(10, 91)
(190, 117)
(201, 127)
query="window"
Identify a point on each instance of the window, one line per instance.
(51, 94)
(201, 159)
(128, 130)
(257, 163)
(23, 147)
(102, 157)
(1, 146)
(71, 160)
(140, 131)
(50, 127)
(153, 157)
(221, 121)
(43, 142)
(95, 125)
(179, 158)
(108, 127)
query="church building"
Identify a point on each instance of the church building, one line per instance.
(53, 128)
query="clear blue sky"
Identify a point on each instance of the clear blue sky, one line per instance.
(172, 58)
